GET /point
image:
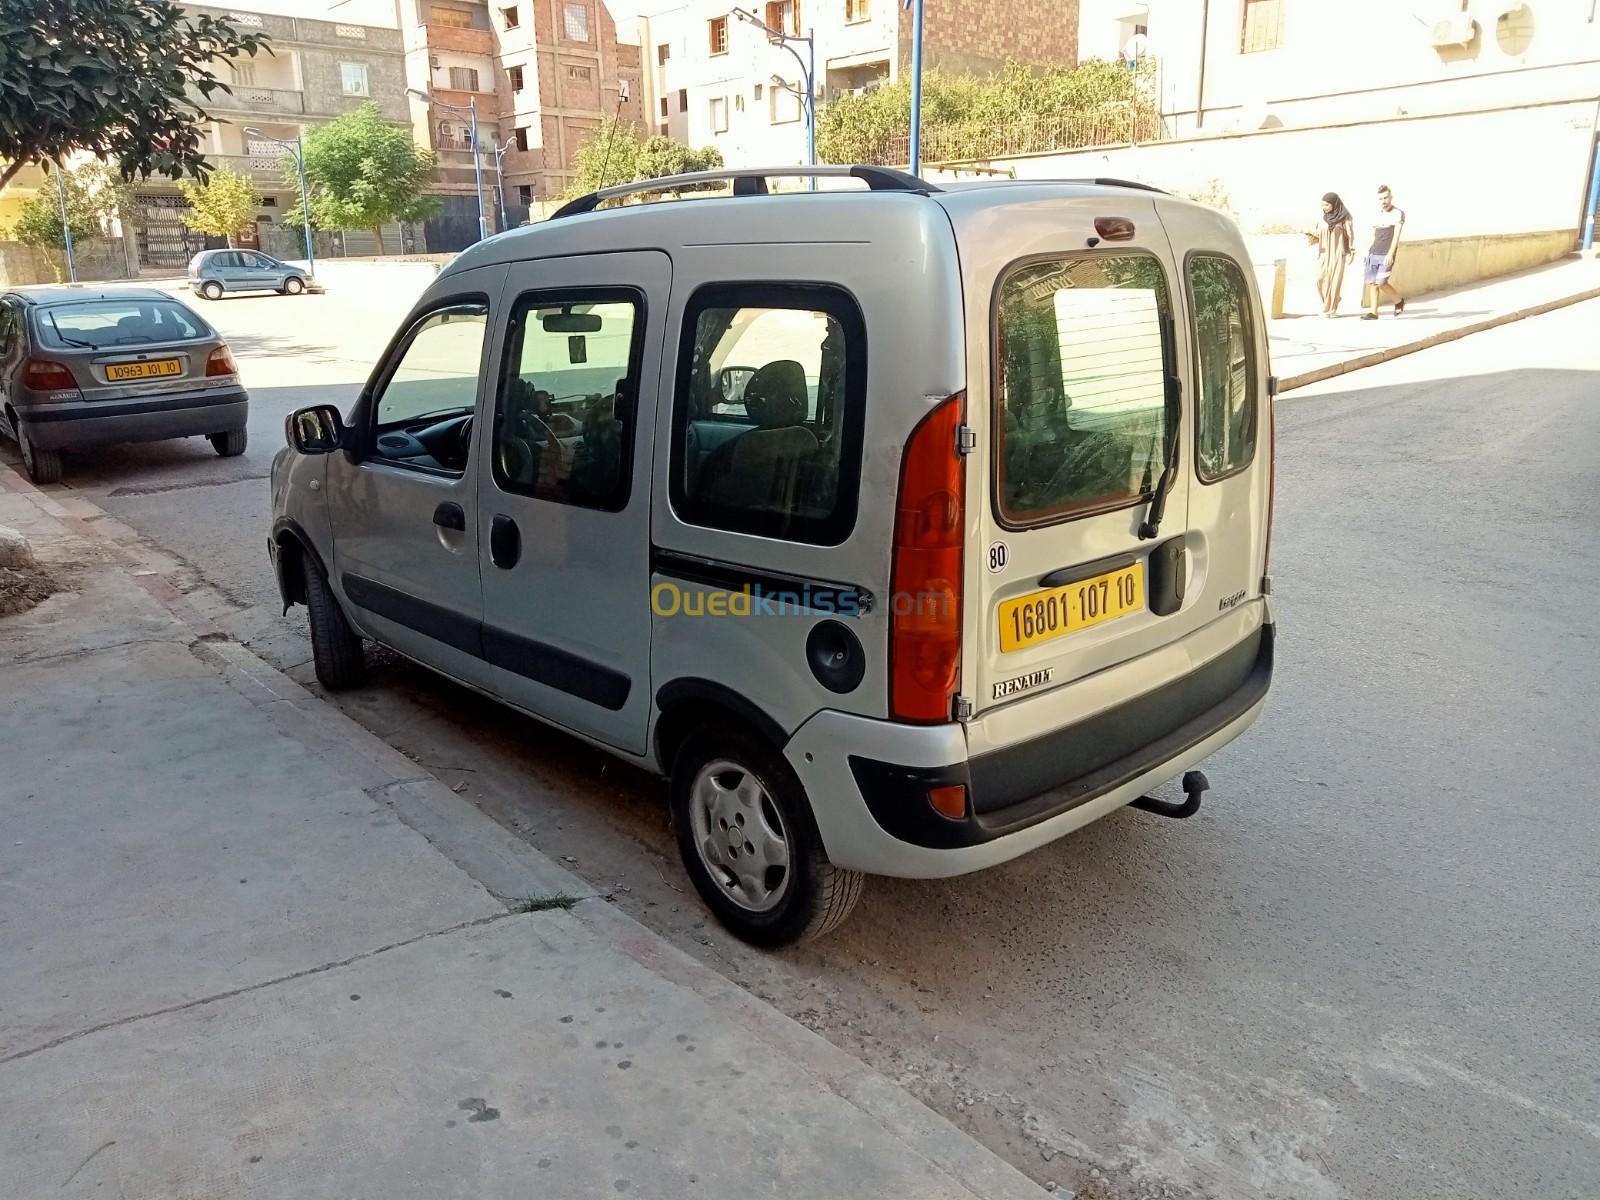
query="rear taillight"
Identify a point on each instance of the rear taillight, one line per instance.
(220, 362)
(925, 600)
(42, 375)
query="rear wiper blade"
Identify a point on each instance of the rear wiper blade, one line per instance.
(1151, 525)
(71, 341)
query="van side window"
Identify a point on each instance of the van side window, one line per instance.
(421, 417)
(564, 420)
(1226, 415)
(1082, 356)
(769, 411)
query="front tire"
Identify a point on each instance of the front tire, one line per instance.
(293, 285)
(211, 290)
(750, 843)
(44, 466)
(229, 444)
(336, 648)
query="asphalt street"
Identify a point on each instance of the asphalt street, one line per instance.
(1367, 968)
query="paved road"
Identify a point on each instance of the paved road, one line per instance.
(1368, 968)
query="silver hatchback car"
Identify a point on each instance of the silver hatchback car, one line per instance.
(87, 367)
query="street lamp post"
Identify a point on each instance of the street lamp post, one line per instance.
(808, 65)
(915, 156)
(66, 225)
(500, 178)
(477, 154)
(297, 148)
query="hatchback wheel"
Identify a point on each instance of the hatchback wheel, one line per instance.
(44, 466)
(749, 842)
(230, 444)
(293, 285)
(211, 290)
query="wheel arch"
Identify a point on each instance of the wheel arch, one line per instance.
(293, 545)
(683, 705)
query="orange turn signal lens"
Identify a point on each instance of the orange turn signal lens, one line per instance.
(949, 800)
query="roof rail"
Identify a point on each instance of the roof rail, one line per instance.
(750, 181)
(1127, 183)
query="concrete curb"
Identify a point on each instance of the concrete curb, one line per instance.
(509, 869)
(1437, 339)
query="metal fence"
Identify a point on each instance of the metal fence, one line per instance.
(1111, 125)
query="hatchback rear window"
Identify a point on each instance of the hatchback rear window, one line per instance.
(1083, 355)
(106, 324)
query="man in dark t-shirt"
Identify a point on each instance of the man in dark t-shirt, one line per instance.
(1380, 257)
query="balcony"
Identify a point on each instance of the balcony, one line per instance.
(250, 100)
(263, 168)
(462, 41)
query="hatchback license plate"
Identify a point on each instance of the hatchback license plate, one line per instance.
(1055, 612)
(158, 369)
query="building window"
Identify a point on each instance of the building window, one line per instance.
(525, 194)
(783, 103)
(510, 17)
(758, 90)
(718, 30)
(738, 102)
(855, 11)
(663, 52)
(244, 74)
(447, 136)
(664, 131)
(464, 79)
(784, 16)
(577, 22)
(514, 74)
(719, 114)
(353, 79)
(683, 100)
(581, 73)
(663, 106)
(1262, 26)
(451, 18)
(522, 137)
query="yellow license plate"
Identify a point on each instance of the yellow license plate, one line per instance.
(1056, 612)
(158, 369)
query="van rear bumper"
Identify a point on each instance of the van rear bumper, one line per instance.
(1027, 794)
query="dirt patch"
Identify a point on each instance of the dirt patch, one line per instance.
(23, 587)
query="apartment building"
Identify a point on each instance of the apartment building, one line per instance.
(715, 80)
(318, 70)
(545, 76)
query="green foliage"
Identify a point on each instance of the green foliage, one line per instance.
(222, 206)
(112, 77)
(94, 196)
(363, 173)
(1014, 111)
(1212, 195)
(615, 155)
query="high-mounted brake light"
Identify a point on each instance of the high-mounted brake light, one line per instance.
(1114, 229)
(925, 601)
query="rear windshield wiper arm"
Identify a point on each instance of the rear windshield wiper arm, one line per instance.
(69, 340)
(1151, 525)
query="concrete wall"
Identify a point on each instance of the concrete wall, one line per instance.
(101, 259)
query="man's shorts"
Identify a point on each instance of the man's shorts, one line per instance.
(1377, 271)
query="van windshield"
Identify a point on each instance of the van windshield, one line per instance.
(1082, 358)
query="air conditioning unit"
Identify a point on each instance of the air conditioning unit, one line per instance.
(1458, 29)
(433, 61)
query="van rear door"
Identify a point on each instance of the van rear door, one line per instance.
(1079, 498)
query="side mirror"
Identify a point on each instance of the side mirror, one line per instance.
(731, 382)
(315, 430)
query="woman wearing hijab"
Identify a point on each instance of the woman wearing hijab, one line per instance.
(1335, 240)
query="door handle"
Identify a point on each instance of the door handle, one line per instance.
(505, 542)
(449, 515)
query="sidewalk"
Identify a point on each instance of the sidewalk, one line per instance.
(250, 950)
(1308, 348)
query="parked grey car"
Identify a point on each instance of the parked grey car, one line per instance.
(213, 272)
(87, 367)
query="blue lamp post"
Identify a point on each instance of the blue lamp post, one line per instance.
(477, 157)
(808, 67)
(298, 149)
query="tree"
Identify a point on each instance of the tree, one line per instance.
(125, 80)
(363, 173)
(222, 206)
(615, 155)
(94, 196)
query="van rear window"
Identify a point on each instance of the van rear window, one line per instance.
(1083, 354)
(1226, 416)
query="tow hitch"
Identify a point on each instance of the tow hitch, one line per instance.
(1195, 785)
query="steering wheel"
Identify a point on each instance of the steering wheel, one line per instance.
(464, 439)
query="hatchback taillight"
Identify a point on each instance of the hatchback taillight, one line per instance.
(926, 582)
(42, 375)
(220, 362)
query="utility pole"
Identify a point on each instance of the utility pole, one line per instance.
(66, 225)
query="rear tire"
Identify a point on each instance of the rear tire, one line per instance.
(211, 290)
(336, 648)
(229, 444)
(293, 285)
(736, 803)
(44, 466)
